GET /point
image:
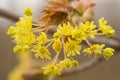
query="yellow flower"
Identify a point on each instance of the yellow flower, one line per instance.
(67, 63)
(108, 52)
(11, 31)
(55, 69)
(42, 39)
(28, 11)
(78, 34)
(27, 38)
(57, 45)
(102, 22)
(96, 49)
(65, 29)
(72, 47)
(51, 69)
(57, 35)
(89, 29)
(25, 23)
(106, 29)
(41, 51)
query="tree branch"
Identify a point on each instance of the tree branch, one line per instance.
(9, 15)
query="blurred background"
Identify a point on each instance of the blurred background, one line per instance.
(109, 9)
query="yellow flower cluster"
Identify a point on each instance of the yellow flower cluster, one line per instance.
(22, 34)
(89, 29)
(39, 48)
(108, 52)
(56, 69)
(42, 39)
(106, 29)
(67, 63)
(67, 38)
(98, 50)
(72, 47)
(51, 69)
(41, 51)
(65, 29)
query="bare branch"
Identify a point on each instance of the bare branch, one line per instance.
(9, 15)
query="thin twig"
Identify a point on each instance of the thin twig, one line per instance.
(9, 15)
(88, 42)
(63, 43)
(39, 30)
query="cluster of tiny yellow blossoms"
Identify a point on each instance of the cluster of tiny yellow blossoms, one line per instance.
(67, 38)
(23, 37)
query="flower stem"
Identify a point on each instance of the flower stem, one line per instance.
(56, 58)
(39, 30)
(64, 48)
(88, 42)
(49, 43)
(99, 34)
